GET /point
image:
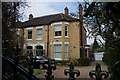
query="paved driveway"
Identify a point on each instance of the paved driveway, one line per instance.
(84, 70)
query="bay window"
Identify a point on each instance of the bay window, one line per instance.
(58, 31)
(66, 51)
(57, 51)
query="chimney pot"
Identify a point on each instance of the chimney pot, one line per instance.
(66, 11)
(80, 9)
(30, 16)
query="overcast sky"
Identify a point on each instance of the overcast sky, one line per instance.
(38, 9)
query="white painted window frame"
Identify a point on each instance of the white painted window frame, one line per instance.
(41, 27)
(27, 29)
(58, 43)
(59, 23)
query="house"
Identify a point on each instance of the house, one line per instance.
(58, 35)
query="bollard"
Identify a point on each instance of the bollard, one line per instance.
(98, 73)
(71, 71)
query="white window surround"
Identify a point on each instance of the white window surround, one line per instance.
(57, 31)
(66, 42)
(57, 51)
(27, 33)
(57, 36)
(57, 42)
(34, 44)
(57, 58)
(66, 30)
(57, 23)
(66, 51)
(36, 32)
(29, 28)
(39, 27)
(66, 22)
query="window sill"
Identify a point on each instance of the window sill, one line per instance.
(66, 37)
(38, 39)
(57, 58)
(66, 59)
(57, 36)
(29, 40)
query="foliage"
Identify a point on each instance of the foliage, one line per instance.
(104, 19)
(84, 61)
(75, 62)
(10, 16)
(63, 63)
(38, 71)
(95, 46)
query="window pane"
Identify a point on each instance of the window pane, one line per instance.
(39, 34)
(57, 51)
(58, 33)
(29, 34)
(66, 30)
(57, 30)
(39, 31)
(66, 33)
(66, 51)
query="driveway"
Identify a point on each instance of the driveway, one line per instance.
(84, 70)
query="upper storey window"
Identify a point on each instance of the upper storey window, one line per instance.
(29, 32)
(66, 30)
(58, 32)
(39, 34)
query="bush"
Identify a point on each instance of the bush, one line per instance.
(75, 62)
(84, 61)
(62, 63)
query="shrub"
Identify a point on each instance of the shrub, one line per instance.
(63, 62)
(75, 62)
(84, 61)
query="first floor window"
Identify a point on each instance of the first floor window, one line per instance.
(66, 30)
(39, 34)
(57, 30)
(66, 51)
(57, 51)
(29, 32)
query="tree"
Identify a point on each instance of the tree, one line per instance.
(10, 16)
(95, 45)
(105, 21)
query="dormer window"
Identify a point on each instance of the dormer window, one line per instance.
(58, 32)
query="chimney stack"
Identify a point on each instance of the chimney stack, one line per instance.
(66, 11)
(30, 16)
(80, 9)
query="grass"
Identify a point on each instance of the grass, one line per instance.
(38, 71)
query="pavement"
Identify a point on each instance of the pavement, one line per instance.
(84, 70)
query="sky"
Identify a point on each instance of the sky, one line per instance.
(38, 9)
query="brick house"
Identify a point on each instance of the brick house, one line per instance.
(57, 34)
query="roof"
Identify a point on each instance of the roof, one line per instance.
(45, 20)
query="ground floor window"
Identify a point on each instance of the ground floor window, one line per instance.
(66, 51)
(29, 51)
(57, 51)
(39, 51)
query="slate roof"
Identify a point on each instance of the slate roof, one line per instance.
(45, 20)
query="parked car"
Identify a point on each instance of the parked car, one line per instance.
(41, 62)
